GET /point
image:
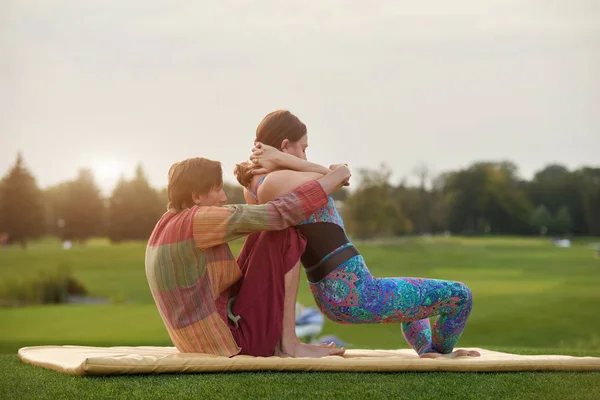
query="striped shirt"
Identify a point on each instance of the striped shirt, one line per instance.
(191, 269)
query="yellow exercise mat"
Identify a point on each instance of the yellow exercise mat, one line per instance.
(83, 360)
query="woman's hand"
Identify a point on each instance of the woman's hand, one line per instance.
(334, 166)
(265, 158)
(335, 179)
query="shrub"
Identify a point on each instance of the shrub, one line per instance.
(42, 288)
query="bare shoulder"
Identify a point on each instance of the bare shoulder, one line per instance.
(286, 174)
(278, 183)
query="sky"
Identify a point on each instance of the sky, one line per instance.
(109, 84)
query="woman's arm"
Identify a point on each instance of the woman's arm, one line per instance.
(281, 182)
(269, 159)
(297, 164)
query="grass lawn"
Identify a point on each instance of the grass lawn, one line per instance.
(26, 382)
(529, 298)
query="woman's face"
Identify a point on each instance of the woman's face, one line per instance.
(297, 149)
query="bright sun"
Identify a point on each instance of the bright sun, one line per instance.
(107, 172)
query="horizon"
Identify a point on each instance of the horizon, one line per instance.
(409, 178)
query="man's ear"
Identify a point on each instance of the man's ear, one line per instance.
(195, 198)
(284, 144)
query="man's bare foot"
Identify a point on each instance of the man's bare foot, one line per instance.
(300, 349)
(454, 354)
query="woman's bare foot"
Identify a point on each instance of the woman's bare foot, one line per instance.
(300, 349)
(331, 345)
(454, 354)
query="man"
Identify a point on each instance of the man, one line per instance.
(210, 303)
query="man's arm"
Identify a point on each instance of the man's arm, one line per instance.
(216, 225)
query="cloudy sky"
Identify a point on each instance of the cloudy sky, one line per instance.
(107, 84)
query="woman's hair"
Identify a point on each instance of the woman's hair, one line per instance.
(194, 175)
(272, 130)
(243, 173)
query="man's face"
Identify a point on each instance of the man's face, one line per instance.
(215, 197)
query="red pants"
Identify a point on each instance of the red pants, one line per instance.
(264, 260)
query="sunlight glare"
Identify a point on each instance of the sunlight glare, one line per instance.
(107, 172)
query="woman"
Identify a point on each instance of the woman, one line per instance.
(339, 279)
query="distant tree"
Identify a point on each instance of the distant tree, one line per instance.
(486, 197)
(587, 183)
(120, 205)
(55, 200)
(555, 186)
(563, 222)
(163, 197)
(341, 195)
(542, 220)
(83, 209)
(420, 203)
(21, 208)
(371, 211)
(412, 202)
(422, 212)
(235, 193)
(134, 209)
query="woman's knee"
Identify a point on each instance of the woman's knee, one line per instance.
(335, 314)
(463, 292)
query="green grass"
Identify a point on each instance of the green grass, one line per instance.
(37, 383)
(529, 298)
(116, 272)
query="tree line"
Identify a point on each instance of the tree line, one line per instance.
(485, 198)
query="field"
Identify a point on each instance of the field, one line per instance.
(529, 298)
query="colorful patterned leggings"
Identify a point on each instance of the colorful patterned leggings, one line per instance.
(351, 295)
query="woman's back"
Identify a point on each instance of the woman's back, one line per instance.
(324, 231)
(269, 187)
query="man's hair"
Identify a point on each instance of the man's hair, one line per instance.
(194, 175)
